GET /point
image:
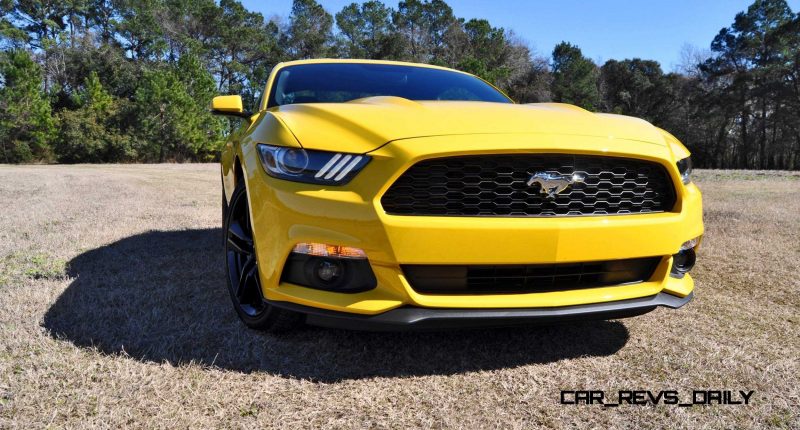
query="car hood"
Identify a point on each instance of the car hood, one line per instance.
(365, 124)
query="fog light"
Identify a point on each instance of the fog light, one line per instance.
(342, 269)
(329, 271)
(325, 250)
(682, 262)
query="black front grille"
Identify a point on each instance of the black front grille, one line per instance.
(497, 185)
(530, 278)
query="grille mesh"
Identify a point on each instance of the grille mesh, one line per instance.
(496, 185)
(531, 278)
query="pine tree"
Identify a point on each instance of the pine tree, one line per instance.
(26, 125)
(574, 77)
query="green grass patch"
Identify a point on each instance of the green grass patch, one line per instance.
(35, 265)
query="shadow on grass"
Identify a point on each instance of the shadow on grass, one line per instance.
(161, 297)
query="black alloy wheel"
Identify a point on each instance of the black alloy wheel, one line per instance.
(244, 283)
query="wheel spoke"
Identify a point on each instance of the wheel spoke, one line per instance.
(247, 276)
(239, 240)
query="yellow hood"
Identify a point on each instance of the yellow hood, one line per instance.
(363, 125)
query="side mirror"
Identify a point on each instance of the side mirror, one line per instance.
(229, 105)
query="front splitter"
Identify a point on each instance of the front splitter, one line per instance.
(416, 318)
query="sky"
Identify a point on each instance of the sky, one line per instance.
(607, 29)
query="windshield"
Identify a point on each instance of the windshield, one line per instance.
(341, 82)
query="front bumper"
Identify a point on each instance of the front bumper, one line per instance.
(286, 213)
(412, 318)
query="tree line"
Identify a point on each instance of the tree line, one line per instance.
(131, 80)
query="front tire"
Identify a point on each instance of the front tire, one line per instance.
(241, 266)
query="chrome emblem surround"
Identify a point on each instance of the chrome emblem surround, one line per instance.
(553, 183)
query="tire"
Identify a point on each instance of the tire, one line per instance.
(224, 216)
(224, 206)
(241, 269)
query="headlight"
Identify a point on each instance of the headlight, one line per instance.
(314, 167)
(685, 167)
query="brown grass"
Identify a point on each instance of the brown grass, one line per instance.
(113, 313)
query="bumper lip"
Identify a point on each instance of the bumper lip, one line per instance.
(410, 318)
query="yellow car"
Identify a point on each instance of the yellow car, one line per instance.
(383, 195)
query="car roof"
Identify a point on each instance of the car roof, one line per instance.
(362, 61)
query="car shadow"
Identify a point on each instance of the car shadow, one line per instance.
(161, 297)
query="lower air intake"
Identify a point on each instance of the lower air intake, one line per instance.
(530, 278)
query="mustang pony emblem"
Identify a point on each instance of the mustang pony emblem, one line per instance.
(552, 183)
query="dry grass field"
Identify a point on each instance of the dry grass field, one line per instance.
(114, 313)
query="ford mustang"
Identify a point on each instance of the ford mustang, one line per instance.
(383, 195)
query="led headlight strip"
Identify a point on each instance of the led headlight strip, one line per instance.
(341, 164)
(315, 167)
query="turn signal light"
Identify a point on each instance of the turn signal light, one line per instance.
(325, 250)
(689, 244)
